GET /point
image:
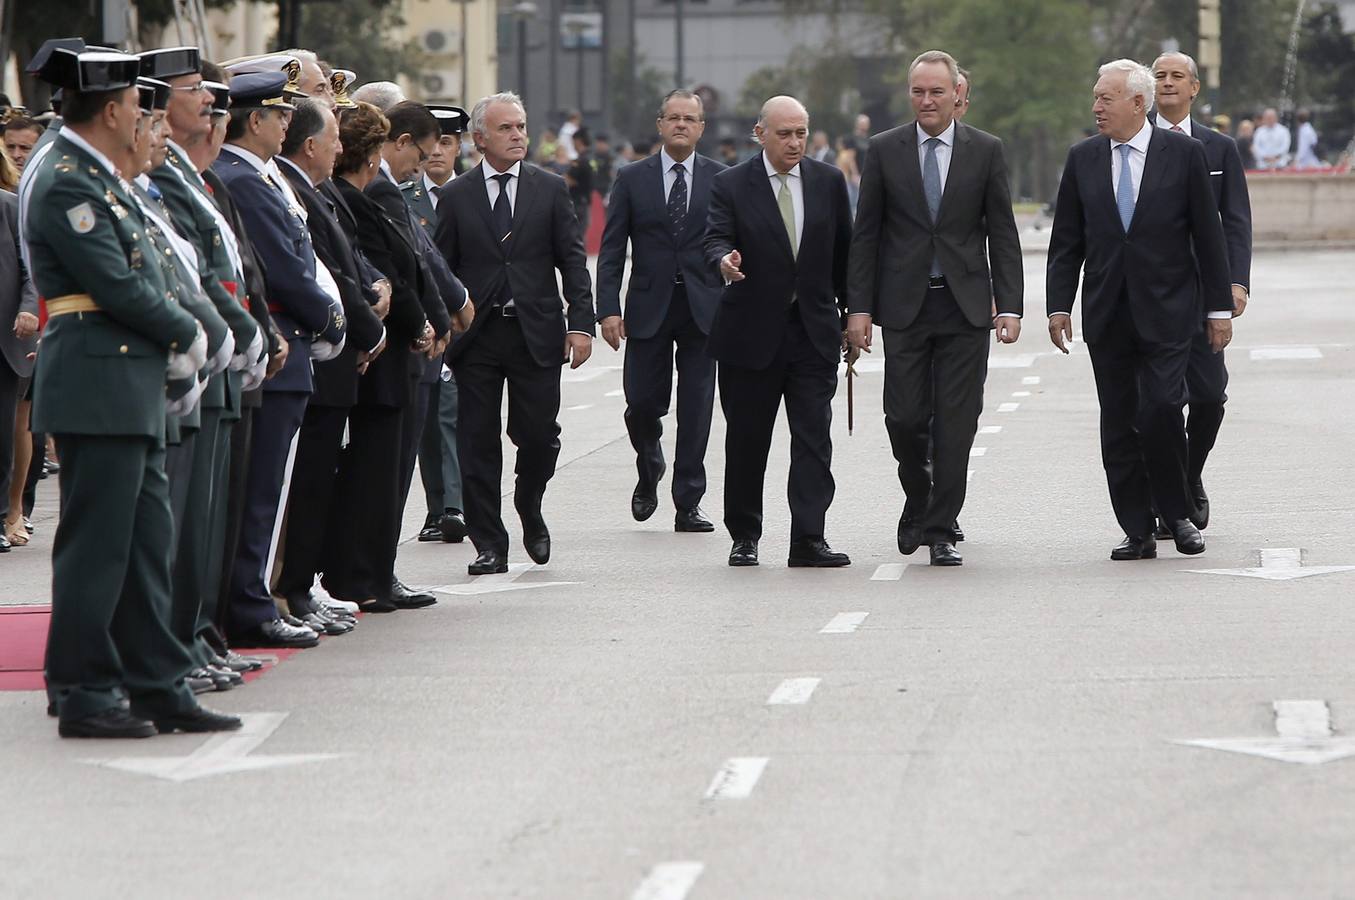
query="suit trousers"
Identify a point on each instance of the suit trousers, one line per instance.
(933, 395)
(750, 399)
(10, 384)
(1206, 393)
(179, 471)
(310, 501)
(497, 356)
(242, 436)
(439, 466)
(648, 381)
(193, 542)
(111, 583)
(205, 633)
(275, 425)
(1141, 386)
(363, 526)
(411, 439)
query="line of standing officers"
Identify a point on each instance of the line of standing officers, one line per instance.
(259, 294)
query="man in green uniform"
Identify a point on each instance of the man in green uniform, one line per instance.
(115, 335)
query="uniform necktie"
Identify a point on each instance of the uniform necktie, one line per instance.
(931, 187)
(786, 204)
(1124, 190)
(503, 210)
(677, 199)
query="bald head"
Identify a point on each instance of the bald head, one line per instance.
(779, 105)
(783, 130)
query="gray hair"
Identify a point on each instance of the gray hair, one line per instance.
(1190, 63)
(937, 56)
(303, 55)
(1138, 79)
(381, 94)
(771, 104)
(477, 113)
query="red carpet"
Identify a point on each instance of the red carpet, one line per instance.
(23, 641)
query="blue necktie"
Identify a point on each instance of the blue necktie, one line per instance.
(1124, 190)
(931, 187)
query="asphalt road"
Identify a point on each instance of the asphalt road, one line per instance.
(600, 727)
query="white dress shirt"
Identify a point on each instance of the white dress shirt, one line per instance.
(947, 139)
(797, 194)
(670, 177)
(492, 186)
(1270, 141)
(431, 188)
(1138, 155)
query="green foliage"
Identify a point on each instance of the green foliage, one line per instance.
(825, 82)
(635, 101)
(356, 35)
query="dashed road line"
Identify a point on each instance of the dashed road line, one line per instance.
(991, 429)
(1020, 393)
(669, 881)
(844, 623)
(581, 406)
(1008, 407)
(737, 778)
(888, 572)
(1263, 353)
(619, 392)
(793, 691)
(1031, 379)
(975, 452)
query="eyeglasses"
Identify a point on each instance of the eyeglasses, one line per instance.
(680, 120)
(198, 88)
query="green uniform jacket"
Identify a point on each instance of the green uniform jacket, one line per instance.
(99, 373)
(417, 195)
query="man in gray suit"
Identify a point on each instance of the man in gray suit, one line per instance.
(18, 340)
(935, 208)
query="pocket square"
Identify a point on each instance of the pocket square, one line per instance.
(1219, 172)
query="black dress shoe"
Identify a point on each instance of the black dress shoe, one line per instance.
(277, 633)
(814, 553)
(645, 500)
(535, 535)
(1201, 499)
(910, 534)
(1162, 532)
(1188, 538)
(489, 562)
(196, 720)
(692, 519)
(111, 723)
(743, 553)
(405, 598)
(1135, 548)
(430, 531)
(452, 526)
(376, 605)
(959, 532)
(945, 554)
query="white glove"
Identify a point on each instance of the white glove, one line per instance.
(250, 355)
(222, 359)
(254, 375)
(445, 376)
(182, 365)
(186, 403)
(323, 351)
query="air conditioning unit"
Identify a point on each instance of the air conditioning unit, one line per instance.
(440, 85)
(441, 40)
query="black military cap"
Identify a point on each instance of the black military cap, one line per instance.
(221, 97)
(45, 51)
(92, 70)
(170, 62)
(154, 94)
(451, 119)
(261, 90)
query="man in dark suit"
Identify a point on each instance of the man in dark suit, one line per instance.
(779, 231)
(659, 206)
(303, 311)
(1135, 208)
(307, 160)
(934, 198)
(505, 228)
(1178, 83)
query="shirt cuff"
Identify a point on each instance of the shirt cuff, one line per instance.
(1053, 314)
(584, 333)
(1007, 316)
(372, 349)
(1244, 287)
(1219, 314)
(849, 315)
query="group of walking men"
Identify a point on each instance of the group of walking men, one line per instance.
(251, 323)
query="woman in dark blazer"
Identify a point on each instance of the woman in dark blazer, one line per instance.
(18, 341)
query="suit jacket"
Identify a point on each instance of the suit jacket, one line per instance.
(1228, 178)
(545, 238)
(638, 212)
(367, 226)
(336, 380)
(750, 318)
(438, 310)
(1172, 262)
(894, 239)
(17, 293)
(300, 307)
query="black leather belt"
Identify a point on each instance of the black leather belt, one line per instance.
(508, 312)
(936, 281)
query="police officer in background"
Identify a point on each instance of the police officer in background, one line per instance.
(114, 336)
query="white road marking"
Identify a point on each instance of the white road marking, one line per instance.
(1278, 564)
(1262, 353)
(793, 691)
(616, 393)
(969, 476)
(1031, 379)
(1020, 361)
(1303, 735)
(888, 572)
(494, 584)
(844, 623)
(991, 429)
(736, 778)
(221, 754)
(1020, 393)
(579, 407)
(669, 881)
(1008, 407)
(975, 452)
